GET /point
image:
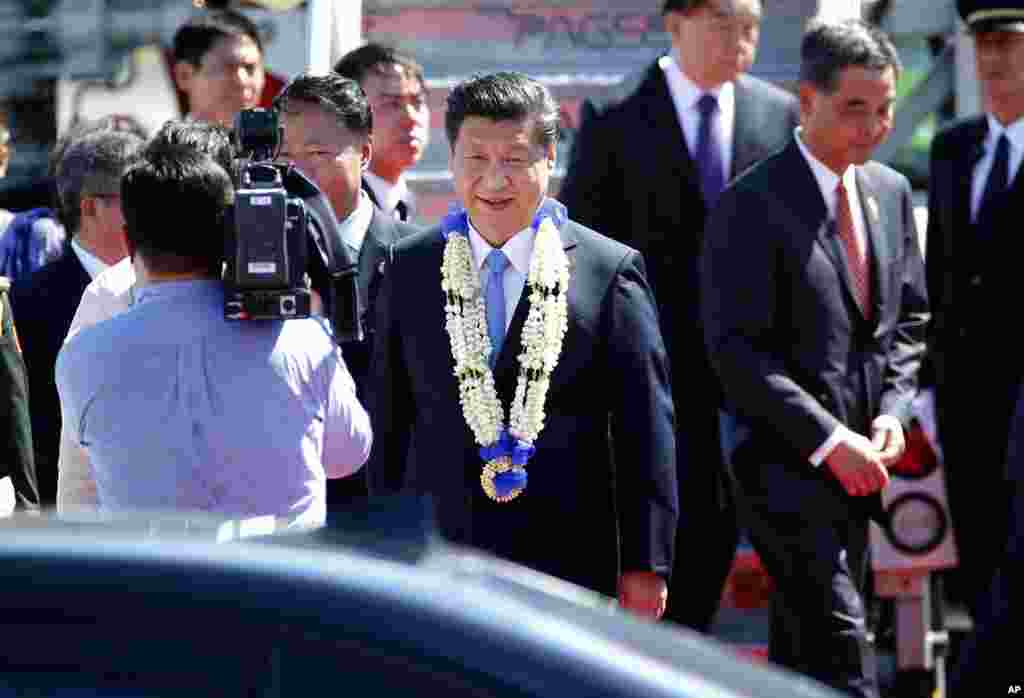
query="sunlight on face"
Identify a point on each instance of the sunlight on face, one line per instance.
(501, 174)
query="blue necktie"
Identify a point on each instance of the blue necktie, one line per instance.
(497, 262)
(709, 152)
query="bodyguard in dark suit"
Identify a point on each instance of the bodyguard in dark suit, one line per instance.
(975, 202)
(815, 310)
(636, 175)
(328, 128)
(394, 85)
(89, 185)
(579, 517)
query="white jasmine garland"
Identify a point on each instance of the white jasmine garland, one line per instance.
(542, 337)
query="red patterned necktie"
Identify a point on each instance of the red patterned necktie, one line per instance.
(856, 254)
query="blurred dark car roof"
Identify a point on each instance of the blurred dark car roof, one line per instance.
(155, 606)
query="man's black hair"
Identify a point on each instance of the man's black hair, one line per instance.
(503, 97)
(342, 97)
(210, 138)
(360, 62)
(830, 47)
(196, 37)
(175, 200)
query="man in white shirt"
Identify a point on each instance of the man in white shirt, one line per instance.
(644, 170)
(88, 183)
(815, 311)
(393, 83)
(112, 292)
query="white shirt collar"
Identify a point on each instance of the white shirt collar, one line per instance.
(685, 94)
(687, 90)
(388, 195)
(518, 249)
(1014, 132)
(353, 229)
(93, 265)
(827, 179)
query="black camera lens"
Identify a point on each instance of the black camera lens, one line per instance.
(287, 306)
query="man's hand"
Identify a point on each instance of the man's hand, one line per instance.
(858, 466)
(887, 436)
(643, 593)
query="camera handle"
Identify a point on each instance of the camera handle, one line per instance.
(343, 269)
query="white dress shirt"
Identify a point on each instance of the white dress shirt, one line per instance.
(354, 228)
(109, 294)
(1015, 134)
(388, 195)
(94, 266)
(827, 182)
(519, 250)
(685, 94)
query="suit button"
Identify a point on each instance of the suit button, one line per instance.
(976, 280)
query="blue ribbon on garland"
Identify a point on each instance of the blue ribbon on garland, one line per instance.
(457, 220)
(519, 451)
(508, 446)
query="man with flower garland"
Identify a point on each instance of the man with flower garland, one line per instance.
(553, 335)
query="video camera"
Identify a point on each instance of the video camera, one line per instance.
(279, 219)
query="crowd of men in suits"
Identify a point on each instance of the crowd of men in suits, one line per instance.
(747, 316)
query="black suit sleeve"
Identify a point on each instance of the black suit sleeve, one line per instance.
(592, 184)
(739, 300)
(389, 397)
(16, 457)
(643, 423)
(908, 344)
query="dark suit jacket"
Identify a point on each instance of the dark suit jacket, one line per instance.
(794, 353)
(383, 232)
(631, 176)
(613, 366)
(44, 305)
(16, 458)
(973, 365)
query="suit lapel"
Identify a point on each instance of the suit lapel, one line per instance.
(876, 221)
(969, 157)
(813, 212)
(664, 131)
(378, 237)
(369, 192)
(506, 369)
(745, 150)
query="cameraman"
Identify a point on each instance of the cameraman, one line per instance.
(180, 409)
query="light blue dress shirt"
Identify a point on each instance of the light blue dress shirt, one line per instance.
(182, 410)
(519, 250)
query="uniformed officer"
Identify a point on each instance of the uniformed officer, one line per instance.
(973, 260)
